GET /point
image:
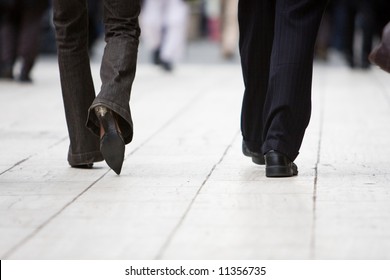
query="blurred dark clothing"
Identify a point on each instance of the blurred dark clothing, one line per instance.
(382, 15)
(4, 4)
(358, 14)
(36, 4)
(20, 34)
(23, 4)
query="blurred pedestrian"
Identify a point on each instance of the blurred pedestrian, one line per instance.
(213, 14)
(229, 38)
(108, 114)
(358, 14)
(164, 28)
(222, 25)
(20, 36)
(277, 44)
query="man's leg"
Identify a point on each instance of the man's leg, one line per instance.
(288, 105)
(256, 24)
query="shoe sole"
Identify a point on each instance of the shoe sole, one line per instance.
(83, 166)
(257, 160)
(280, 171)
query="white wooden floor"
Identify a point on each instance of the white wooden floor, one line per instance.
(186, 191)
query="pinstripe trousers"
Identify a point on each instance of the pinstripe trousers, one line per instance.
(277, 40)
(117, 71)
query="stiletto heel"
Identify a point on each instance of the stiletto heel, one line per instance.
(112, 145)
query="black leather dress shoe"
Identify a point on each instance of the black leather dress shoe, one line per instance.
(278, 165)
(257, 158)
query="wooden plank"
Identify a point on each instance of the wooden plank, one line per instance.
(352, 206)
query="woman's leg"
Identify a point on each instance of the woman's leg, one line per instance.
(70, 19)
(119, 64)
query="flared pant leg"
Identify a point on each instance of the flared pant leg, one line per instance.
(119, 63)
(71, 24)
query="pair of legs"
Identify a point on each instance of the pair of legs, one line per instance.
(117, 73)
(277, 39)
(353, 8)
(19, 38)
(164, 27)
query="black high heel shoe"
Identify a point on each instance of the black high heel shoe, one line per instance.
(112, 145)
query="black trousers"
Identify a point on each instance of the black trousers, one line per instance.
(277, 39)
(117, 71)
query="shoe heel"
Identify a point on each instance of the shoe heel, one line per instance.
(278, 171)
(258, 160)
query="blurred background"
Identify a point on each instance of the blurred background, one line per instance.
(177, 31)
